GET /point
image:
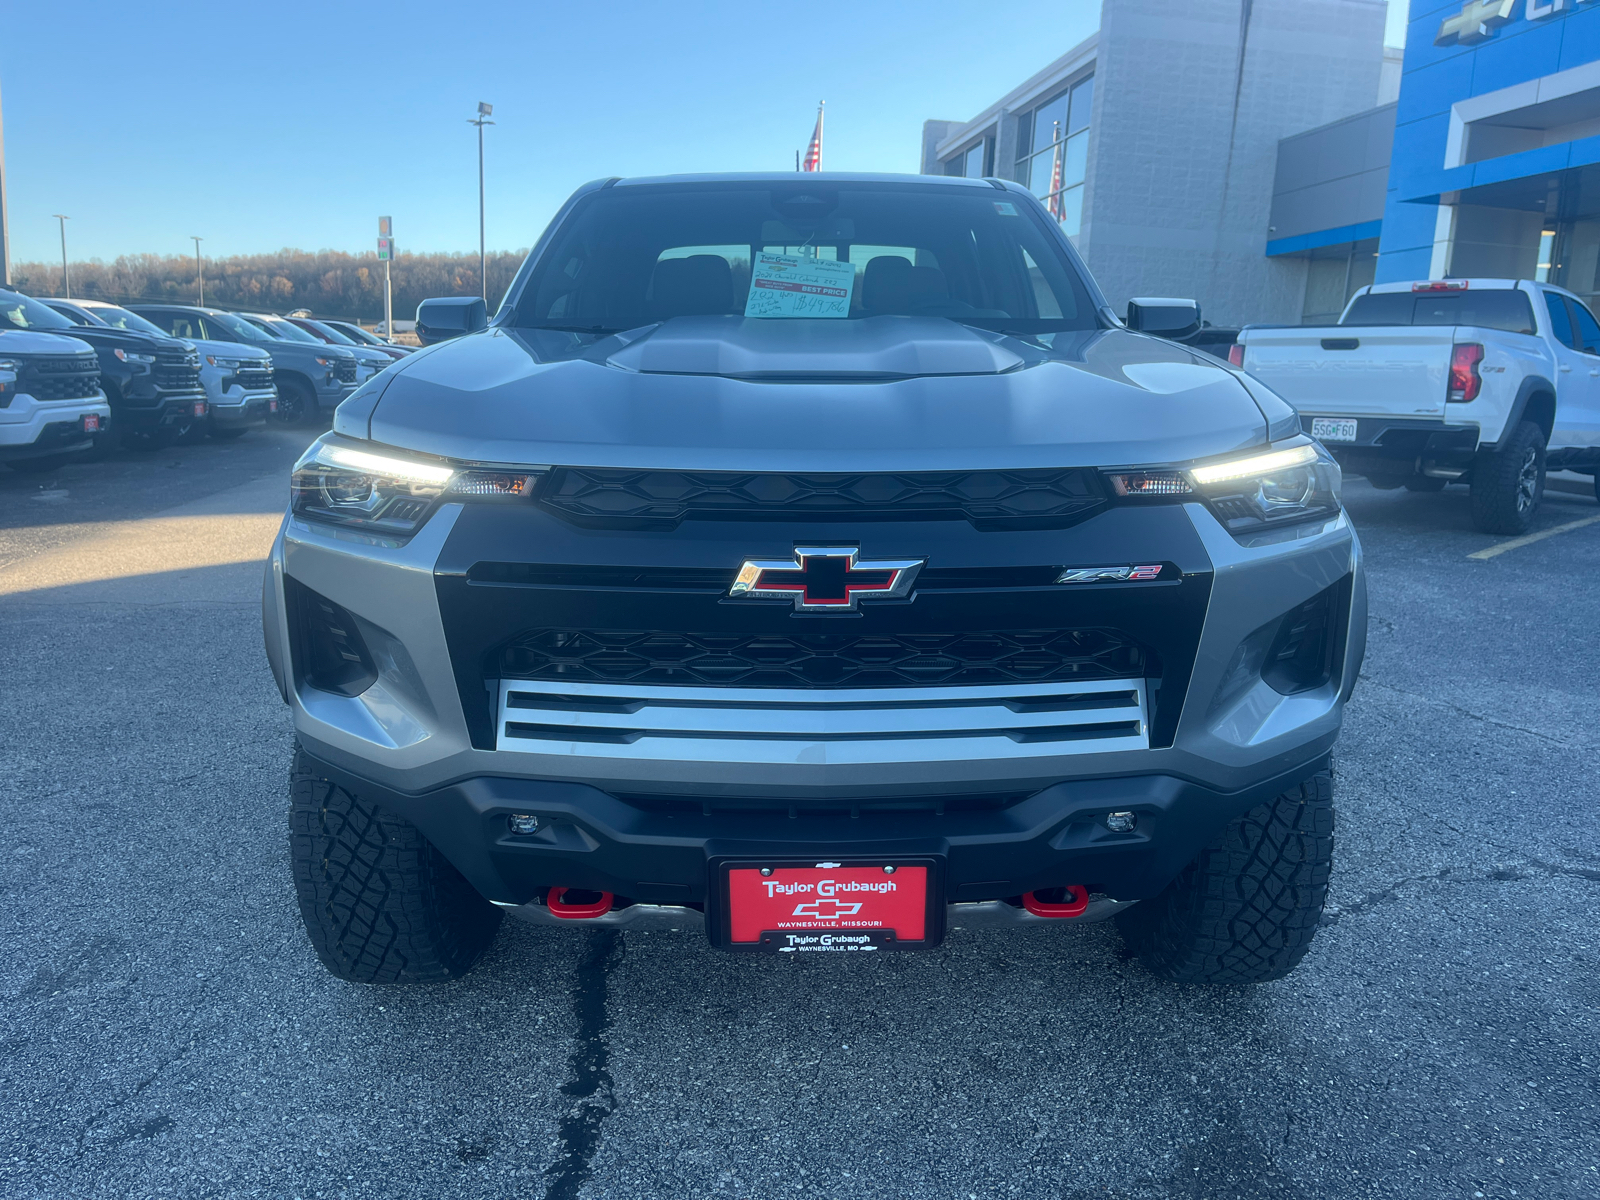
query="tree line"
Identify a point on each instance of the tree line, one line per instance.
(328, 282)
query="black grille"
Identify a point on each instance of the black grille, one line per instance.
(254, 379)
(177, 370)
(347, 370)
(75, 378)
(998, 499)
(823, 659)
(717, 580)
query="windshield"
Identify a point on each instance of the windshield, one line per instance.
(1502, 308)
(23, 312)
(239, 327)
(633, 256)
(355, 333)
(337, 336)
(121, 318)
(287, 330)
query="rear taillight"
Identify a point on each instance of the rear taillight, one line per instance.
(1236, 355)
(1465, 382)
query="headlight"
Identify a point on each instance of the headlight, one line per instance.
(389, 493)
(1289, 483)
(131, 357)
(1297, 482)
(231, 364)
(327, 362)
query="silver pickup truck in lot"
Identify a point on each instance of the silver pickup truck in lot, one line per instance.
(820, 562)
(1486, 382)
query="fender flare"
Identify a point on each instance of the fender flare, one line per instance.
(1530, 385)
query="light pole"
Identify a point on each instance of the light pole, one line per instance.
(482, 119)
(199, 271)
(66, 280)
(5, 245)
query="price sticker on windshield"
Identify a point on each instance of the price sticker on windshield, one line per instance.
(785, 285)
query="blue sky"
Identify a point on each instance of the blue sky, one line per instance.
(260, 126)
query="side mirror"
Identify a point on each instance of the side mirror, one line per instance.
(1163, 316)
(446, 317)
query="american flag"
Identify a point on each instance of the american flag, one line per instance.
(1054, 205)
(813, 161)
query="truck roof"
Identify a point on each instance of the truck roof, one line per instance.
(821, 178)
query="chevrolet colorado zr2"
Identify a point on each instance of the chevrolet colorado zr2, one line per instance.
(820, 562)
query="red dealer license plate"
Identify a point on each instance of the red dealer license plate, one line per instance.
(829, 907)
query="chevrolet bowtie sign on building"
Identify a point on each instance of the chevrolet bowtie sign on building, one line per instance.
(1479, 19)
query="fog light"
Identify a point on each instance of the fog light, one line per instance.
(1121, 822)
(523, 823)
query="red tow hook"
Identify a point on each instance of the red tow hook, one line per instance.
(1076, 905)
(556, 903)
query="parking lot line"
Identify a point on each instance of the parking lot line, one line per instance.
(1528, 539)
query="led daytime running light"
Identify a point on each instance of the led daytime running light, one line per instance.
(390, 468)
(1256, 464)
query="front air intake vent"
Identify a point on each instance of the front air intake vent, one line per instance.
(329, 653)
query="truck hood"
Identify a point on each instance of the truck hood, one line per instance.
(882, 394)
(22, 341)
(103, 337)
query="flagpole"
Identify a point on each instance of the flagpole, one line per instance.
(820, 104)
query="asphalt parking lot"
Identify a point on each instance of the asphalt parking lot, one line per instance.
(165, 1029)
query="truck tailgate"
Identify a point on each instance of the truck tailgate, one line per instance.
(1354, 370)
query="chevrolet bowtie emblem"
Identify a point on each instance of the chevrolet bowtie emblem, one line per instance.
(1477, 20)
(825, 578)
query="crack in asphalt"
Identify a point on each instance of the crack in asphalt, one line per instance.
(589, 1084)
(1509, 873)
(137, 1091)
(1467, 712)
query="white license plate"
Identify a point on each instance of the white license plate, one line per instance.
(1333, 429)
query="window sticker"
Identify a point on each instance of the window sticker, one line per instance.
(786, 285)
(1005, 208)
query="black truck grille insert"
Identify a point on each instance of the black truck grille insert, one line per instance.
(994, 499)
(60, 378)
(254, 379)
(177, 370)
(823, 659)
(347, 371)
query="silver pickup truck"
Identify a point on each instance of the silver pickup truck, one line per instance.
(1483, 382)
(821, 563)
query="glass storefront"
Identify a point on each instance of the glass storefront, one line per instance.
(1053, 152)
(1052, 157)
(1333, 275)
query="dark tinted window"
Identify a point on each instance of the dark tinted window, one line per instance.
(24, 312)
(1588, 329)
(1501, 309)
(1560, 323)
(72, 314)
(121, 318)
(633, 256)
(176, 324)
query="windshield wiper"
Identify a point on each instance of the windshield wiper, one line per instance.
(598, 330)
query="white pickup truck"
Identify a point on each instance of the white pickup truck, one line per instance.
(1485, 382)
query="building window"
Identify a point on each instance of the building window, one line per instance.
(1053, 152)
(975, 162)
(1334, 274)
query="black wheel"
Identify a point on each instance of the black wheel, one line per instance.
(1246, 909)
(1508, 483)
(1425, 483)
(380, 903)
(228, 435)
(296, 403)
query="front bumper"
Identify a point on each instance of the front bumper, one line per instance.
(663, 853)
(162, 408)
(651, 809)
(243, 410)
(32, 429)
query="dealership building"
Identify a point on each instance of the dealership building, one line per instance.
(1268, 157)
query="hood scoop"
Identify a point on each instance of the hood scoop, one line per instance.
(875, 348)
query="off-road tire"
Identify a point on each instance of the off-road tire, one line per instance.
(1246, 909)
(1508, 483)
(380, 903)
(1425, 483)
